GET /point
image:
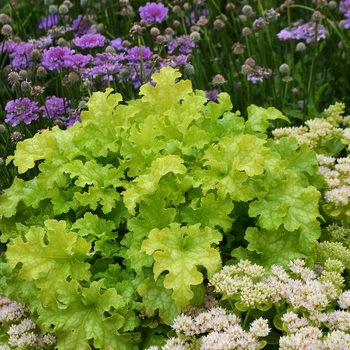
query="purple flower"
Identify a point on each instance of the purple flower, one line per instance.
(82, 26)
(21, 55)
(345, 8)
(57, 57)
(55, 107)
(153, 12)
(307, 32)
(285, 34)
(182, 43)
(49, 21)
(133, 54)
(21, 109)
(117, 44)
(212, 95)
(79, 60)
(89, 41)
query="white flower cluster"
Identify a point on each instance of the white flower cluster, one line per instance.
(336, 172)
(307, 299)
(25, 335)
(316, 133)
(22, 332)
(218, 330)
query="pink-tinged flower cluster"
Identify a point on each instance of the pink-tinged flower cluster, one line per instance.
(21, 110)
(153, 12)
(309, 32)
(90, 41)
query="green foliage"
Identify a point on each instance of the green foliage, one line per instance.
(133, 208)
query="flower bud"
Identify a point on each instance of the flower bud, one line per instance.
(284, 68)
(195, 37)
(154, 31)
(218, 79)
(237, 48)
(246, 31)
(41, 72)
(53, 9)
(247, 10)
(26, 86)
(189, 69)
(73, 77)
(63, 9)
(300, 47)
(6, 30)
(23, 74)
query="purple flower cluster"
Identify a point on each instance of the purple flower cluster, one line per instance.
(89, 41)
(182, 43)
(308, 32)
(57, 57)
(153, 12)
(21, 109)
(55, 107)
(345, 8)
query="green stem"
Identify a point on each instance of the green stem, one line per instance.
(246, 318)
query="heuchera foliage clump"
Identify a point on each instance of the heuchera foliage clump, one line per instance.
(140, 203)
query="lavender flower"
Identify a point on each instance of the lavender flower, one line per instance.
(21, 55)
(153, 12)
(309, 32)
(57, 57)
(212, 95)
(183, 43)
(89, 41)
(133, 54)
(82, 26)
(345, 8)
(49, 21)
(55, 107)
(21, 109)
(117, 44)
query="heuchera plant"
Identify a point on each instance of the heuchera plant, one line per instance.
(140, 203)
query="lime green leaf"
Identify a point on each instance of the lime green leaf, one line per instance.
(19, 190)
(258, 117)
(215, 110)
(30, 150)
(92, 225)
(286, 202)
(166, 91)
(92, 173)
(277, 247)
(179, 250)
(156, 297)
(193, 140)
(301, 160)
(87, 313)
(152, 214)
(209, 211)
(180, 116)
(101, 115)
(149, 183)
(49, 253)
